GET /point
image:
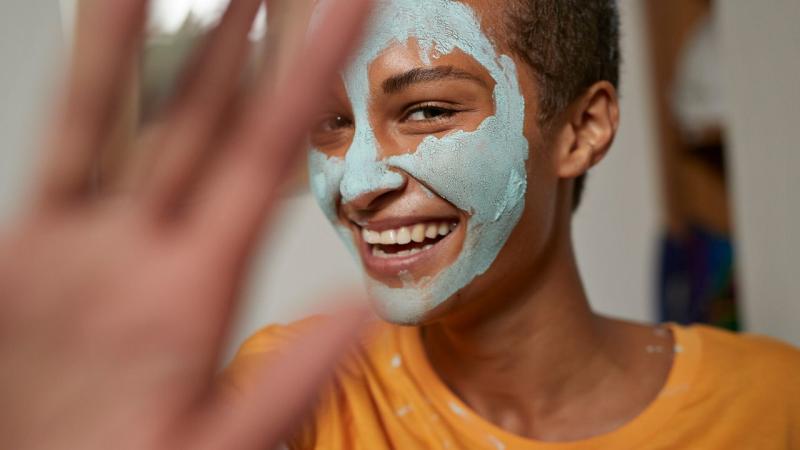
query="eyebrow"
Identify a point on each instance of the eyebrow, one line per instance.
(402, 81)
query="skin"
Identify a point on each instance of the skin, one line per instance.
(115, 305)
(486, 187)
(519, 344)
(397, 134)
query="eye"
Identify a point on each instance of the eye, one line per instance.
(334, 123)
(429, 113)
(331, 132)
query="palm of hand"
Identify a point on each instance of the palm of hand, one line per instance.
(121, 325)
(114, 308)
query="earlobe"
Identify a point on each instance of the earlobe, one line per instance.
(589, 130)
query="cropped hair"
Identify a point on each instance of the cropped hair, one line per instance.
(570, 45)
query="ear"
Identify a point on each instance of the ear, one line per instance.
(588, 129)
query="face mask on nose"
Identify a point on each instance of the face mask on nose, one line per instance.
(480, 172)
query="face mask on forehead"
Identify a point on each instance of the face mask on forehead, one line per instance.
(480, 172)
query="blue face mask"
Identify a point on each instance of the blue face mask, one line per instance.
(481, 172)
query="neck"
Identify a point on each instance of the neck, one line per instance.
(532, 355)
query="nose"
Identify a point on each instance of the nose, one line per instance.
(367, 176)
(370, 199)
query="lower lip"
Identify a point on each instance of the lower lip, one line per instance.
(393, 266)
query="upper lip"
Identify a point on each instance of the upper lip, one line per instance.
(398, 222)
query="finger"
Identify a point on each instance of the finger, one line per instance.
(283, 389)
(107, 41)
(243, 189)
(193, 119)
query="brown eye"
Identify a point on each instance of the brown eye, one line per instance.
(331, 132)
(335, 123)
(427, 113)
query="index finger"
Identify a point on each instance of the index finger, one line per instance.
(242, 191)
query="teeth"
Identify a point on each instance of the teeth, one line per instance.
(371, 237)
(401, 254)
(389, 237)
(403, 236)
(418, 233)
(431, 231)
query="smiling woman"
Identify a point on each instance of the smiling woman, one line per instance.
(435, 161)
(449, 171)
(432, 108)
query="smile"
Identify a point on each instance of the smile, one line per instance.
(406, 241)
(389, 251)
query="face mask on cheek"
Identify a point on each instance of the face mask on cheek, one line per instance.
(481, 172)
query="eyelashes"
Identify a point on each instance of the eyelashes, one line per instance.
(429, 113)
(420, 113)
(334, 123)
(422, 118)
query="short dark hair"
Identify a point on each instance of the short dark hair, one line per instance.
(570, 44)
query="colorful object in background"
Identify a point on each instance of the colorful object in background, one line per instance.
(697, 280)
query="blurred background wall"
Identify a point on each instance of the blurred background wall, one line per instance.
(761, 55)
(616, 229)
(31, 44)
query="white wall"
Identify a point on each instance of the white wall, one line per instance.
(30, 43)
(761, 53)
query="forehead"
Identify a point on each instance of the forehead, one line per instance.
(436, 27)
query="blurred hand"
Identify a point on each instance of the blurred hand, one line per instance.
(114, 308)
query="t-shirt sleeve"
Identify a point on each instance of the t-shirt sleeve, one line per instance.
(269, 342)
(779, 368)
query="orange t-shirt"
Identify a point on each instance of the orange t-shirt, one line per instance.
(724, 391)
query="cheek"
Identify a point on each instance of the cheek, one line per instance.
(474, 171)
(538, 220)
(325, 176)
(543, 179)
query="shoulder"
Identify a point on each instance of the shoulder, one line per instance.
(345, 399)
(762, 351)
(268, 342)
(757, 364)
(273, 338)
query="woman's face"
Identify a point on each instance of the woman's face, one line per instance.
(421, 161)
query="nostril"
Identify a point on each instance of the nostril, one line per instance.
(369, 183)
(373, 200)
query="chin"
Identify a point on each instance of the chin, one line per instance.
(405, 307)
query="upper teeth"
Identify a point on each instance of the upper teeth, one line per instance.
(404, 235)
